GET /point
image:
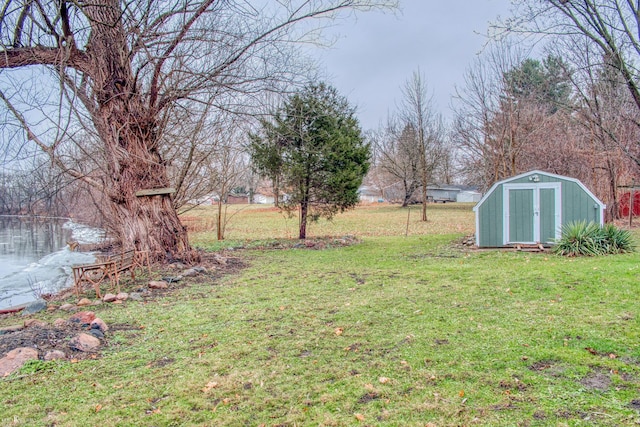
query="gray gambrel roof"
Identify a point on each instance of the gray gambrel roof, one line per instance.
(538, 172)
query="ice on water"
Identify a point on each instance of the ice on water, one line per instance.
(52, 272)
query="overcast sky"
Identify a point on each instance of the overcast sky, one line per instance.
(376, 53)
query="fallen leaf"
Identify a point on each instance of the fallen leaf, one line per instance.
(339, 331)
(282, 308)
(612, 356)
(590, 350)
(209, 386)
(383, 380)
(98, 407)
(461, 394)
(359, 417)
(369, 387)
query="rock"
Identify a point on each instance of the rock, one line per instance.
(15, 359)
(34, 323)
(34, 307)
(96, 333)
(177, 266)
(200, 269)
(171, 279)
(135, 296)
(67, 307)
(59, 323)
(83, 317)
(84, 342)
(98, 323)
(122, 296)
(84, 302)
(10, 329)
(158, 284)
(55, 355)
(190, 272)
(109, 298)
(220, 259)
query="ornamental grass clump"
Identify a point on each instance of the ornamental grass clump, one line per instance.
(590, 239)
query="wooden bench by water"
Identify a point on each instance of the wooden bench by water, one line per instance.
(109, 269)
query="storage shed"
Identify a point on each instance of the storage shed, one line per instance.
(531, 208)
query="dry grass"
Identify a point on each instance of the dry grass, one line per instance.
(256, 222)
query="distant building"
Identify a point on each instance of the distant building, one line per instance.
(443, 193)
(468, 196)
(370, 194)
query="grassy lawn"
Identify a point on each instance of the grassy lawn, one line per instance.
(393, 331)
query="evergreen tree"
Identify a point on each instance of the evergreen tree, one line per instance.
(314, 150)
(545, 82)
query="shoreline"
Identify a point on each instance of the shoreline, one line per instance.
(14, 309)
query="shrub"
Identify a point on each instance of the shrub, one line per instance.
(590, 239)
(620, 241)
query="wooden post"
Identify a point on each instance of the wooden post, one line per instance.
(406, 231)
(631, 196)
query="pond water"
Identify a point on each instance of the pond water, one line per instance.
(35, 257)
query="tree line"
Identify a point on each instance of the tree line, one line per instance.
(206, 97)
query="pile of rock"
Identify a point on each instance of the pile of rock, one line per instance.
(87, 330)
(88, 337)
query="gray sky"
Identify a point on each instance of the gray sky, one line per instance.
(376, 53)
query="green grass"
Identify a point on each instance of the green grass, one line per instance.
(394, 331)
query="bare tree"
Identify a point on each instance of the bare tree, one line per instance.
(397, 156)
(514, 115)
(605, 118)
(611, 26)
(417, 111)
(124, 68)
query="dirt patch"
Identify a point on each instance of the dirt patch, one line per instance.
(549, 367)
(635, 404)
(368, 397)
(162, 362)
(597, 381)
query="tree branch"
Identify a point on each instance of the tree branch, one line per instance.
(24, 56)
(153, 90)
(49, 151)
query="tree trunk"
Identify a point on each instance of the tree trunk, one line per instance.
(129, 132)
(220, 231)
(276, 192)
(425, 183)
(409, 189)
(303, 220)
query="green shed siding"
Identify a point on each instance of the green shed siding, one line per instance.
(578, 205)
(521, 207)
(547, 215)
(538, 204)
(491, 221)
